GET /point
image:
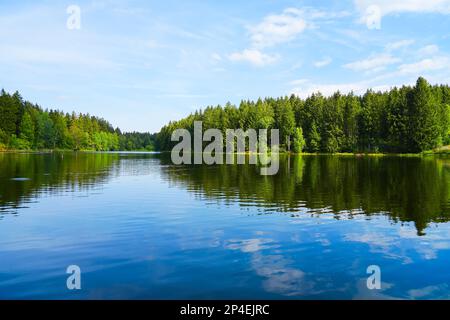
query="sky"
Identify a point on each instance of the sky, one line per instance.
(140, 64)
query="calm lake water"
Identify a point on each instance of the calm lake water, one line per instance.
(142, 228)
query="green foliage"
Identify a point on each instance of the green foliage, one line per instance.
(371, 118)
(4, 138)
(105, 141)
(398, 119)
(285, 120)
(299, 141)
(19, 144)
(264, 115)
(425, 113)
(134, 141)
(10, 111)
(45, 135)
(314, 139)
(333, 124)
(26, 126)
(352, 109)
(406, 119)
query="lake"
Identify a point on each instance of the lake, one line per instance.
(139, 227)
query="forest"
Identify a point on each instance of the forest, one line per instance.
(409, 119)
(26, 126)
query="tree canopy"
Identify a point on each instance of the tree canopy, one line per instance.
(24, 125)
(406, 119)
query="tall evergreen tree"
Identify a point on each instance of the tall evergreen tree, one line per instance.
(27, 128)
(299, 142)
(424, 131)
(314, 139)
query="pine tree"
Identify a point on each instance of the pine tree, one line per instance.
(314, 139)
(27, 128)
(285, 121)
(9, 113)
(424, 130)
(299, 141)
(352, 109)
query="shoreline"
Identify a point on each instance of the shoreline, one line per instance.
(72, 151)
(348, 154)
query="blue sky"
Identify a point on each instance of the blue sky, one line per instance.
(140, 64)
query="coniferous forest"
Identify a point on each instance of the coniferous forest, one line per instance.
(405, 120)
(402, 120)
(26, 126)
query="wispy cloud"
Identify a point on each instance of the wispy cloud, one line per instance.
(373, 63)
(278, 28)
(429, 50)
(387, 7)
(287, 26)
(253, 56)
(134, 52)
(322, 63)
(399, 44)
(425, 65)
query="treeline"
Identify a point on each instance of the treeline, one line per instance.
(25, 126)
(406, 119)
(130, 141)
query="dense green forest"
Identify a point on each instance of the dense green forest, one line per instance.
(25, 126)
(406, 119)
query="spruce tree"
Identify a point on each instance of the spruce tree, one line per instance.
(424, 118)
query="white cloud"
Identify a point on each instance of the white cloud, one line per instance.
(399, 44)
(305, 90)
(278, 28)
(397, 6)
(250, 245)
(429, 64)
(286, 26)
(373, 63)
(253, 56)
(429, 50)
(281, 28)
(323, 63)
